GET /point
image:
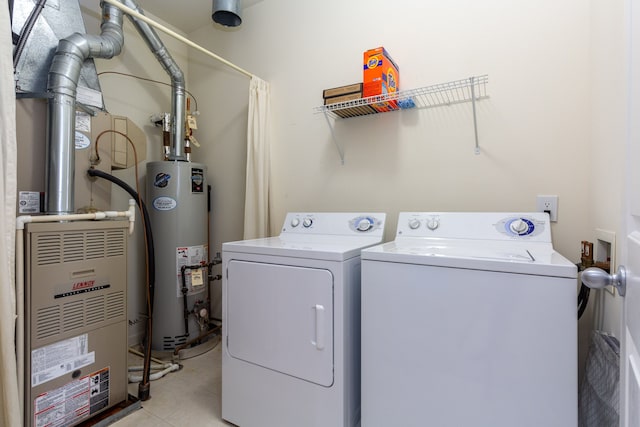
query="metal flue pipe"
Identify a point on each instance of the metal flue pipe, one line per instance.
(62, 86)
(178, 94)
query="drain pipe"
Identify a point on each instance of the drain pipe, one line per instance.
(61, 86)
(178, 93)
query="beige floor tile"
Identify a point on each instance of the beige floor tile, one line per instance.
(141, 418)
(187, 397)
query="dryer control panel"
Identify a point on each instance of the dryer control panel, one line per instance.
(334, 223)
(532, 226)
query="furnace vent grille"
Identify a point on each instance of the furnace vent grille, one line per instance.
(73, 315)
(116, 241)
(57, 248)
(115, 305)
(48, 322)
(49, 249)
(95, 310)
(95, 245)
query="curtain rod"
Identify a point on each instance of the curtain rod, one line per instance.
(173, 34)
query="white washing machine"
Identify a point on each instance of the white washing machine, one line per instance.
(291, 322)
(469, 319)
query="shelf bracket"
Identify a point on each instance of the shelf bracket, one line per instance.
(475, 119)
(333, 136)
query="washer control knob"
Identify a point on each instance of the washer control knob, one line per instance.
(295, 222)
(414, 223)
(364, 224)
(307, 222)
(519, 226)
(433, 223)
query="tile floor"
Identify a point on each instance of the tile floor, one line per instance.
(187, 397)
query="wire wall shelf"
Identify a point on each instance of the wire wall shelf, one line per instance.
(471, 89)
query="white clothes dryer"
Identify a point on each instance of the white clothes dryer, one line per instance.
(291, 322)
(469, 319)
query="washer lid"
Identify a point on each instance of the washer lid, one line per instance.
(524, 257)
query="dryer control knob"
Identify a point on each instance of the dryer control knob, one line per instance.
(307, 222)
(519, 226)
(295, 222)
(414, 224)
(365, 224)
(433, 223)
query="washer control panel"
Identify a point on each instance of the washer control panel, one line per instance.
(475, 225)
(334, 223)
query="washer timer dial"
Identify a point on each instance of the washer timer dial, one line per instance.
(520, 226)
(364, 224)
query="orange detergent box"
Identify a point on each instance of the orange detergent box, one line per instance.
(380, 76)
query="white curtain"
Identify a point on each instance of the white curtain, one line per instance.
(256, 202)
(9, 402)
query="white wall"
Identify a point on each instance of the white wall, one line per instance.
(548, 125)
(534, 130)
(608, 107)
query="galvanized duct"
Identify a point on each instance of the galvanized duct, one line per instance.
(178, 94)
(62, 84)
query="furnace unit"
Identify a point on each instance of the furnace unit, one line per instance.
(75, 320)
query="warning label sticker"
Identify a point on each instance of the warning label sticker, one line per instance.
(29, 202)
(191, 256)
(73, 401)
(57, 359)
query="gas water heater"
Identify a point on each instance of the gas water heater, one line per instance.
(177, 199)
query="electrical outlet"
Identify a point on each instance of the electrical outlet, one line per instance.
(548, 204)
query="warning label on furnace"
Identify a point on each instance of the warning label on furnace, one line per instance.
(57, 359)
(73, 401)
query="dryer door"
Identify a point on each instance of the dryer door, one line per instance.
(280, 317)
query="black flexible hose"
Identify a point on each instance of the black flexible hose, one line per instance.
(583, 299)
(143, 390)
(583, 294)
